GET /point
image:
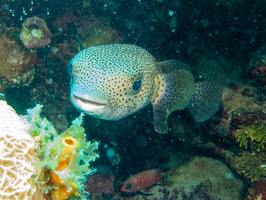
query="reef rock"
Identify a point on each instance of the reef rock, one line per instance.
(16, 64)
(257, 67)
(200, 178)
(243, 105)
(101, 182)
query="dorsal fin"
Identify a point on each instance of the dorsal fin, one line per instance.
(170, 65)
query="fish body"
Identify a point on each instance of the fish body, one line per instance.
(114, 81)
(142, 181)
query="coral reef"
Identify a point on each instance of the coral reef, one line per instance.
(249, 164)
(35, 33)
(17, 64)
(38, 163)
(17, 156)
(243, 105)
(65, 158)
(242, 123)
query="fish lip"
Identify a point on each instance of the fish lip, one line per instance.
(91, 105)
(87, 101)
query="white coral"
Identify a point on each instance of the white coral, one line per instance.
(16, 156)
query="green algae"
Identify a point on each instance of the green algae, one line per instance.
(250, 165)
(253, 137)
(251, 161)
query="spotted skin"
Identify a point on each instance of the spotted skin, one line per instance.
(116, 80)
(105, 75)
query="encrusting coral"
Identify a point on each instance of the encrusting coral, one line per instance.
(37, 162)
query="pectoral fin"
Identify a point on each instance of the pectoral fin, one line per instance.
(160, 119)
(175, 91)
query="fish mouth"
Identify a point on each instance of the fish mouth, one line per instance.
(86, 101)
(91, 105)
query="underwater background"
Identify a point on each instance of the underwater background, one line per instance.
(221, 40)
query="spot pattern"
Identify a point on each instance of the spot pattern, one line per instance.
(168, 66)
(205, 101)
(109, 73)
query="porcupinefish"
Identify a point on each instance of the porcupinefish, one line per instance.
(116, 80)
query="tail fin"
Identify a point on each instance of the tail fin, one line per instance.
(205, 101)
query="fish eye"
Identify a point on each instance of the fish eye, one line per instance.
(128, 186)
(136, 85)
(70, 68)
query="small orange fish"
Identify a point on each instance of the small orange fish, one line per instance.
(142, 181)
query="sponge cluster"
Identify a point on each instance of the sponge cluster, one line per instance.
(16, 156)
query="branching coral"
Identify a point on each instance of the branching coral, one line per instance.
(65, 158)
